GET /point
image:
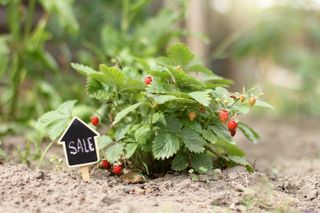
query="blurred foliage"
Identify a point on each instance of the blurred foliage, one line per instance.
(29, 72)
(2, 154)
(42, 37)
(287, 35)
(129, 31)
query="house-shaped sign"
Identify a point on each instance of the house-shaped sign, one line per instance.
(79, 143)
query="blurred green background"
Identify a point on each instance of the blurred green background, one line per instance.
(271, 43)
(275, 44)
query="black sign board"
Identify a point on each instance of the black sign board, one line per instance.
(79, 143)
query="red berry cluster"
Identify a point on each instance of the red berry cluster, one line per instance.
(232, 124)
(116, 168)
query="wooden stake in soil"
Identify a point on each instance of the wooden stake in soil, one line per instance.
(80, 147)
(84, 170)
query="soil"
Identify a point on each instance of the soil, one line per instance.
(287, 179)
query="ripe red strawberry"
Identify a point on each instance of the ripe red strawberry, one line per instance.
(252, 101)
(223, 115)
(117, 169)
(105, 164)
(232, 125)
(233, 132)
(94, 120)
(192, 116)
(147, 80)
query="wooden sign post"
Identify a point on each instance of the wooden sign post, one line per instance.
(80, 148)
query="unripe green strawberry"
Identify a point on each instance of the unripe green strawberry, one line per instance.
(232, 125)
(223, 115)
(202, 109)
(192, 116)
(252, 101)
(241, 98)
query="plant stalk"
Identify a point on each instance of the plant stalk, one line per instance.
(31, 8)
(125, 16)
(44, 153)
(16, 79)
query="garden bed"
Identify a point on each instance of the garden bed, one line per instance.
(287, 178)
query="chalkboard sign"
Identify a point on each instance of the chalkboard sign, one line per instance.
(79, 143)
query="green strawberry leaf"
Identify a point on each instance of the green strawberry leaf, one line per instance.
(142, 134)
(130, 149)
(165, 145)
(180, 162)
(161, 99)
(114, 152)
(261, 103)
(125, 112)
(56, 121)
(121, 132)
(252, 135)
(192, 140)
(103, 141)
(201, 163)
(229, 148)
(209, 136)
(82, 69)
(202, 97)
(180, 54)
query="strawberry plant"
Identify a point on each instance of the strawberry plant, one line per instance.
(43, 35)
(177, 119)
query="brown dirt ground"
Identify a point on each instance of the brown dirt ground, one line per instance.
(287, 180)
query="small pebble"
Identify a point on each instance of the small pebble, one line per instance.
(40, 175)
(238, 187)
(128, 189)
(311, 195)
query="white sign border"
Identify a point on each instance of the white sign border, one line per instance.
(60, 142)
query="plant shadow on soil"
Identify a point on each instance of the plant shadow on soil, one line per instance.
(287, 179)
